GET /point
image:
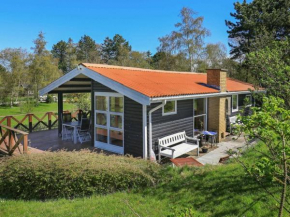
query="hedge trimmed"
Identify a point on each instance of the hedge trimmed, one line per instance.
(72, 174)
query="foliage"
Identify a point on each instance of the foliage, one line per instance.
(270, 68)
(207, 191)
(80, 100)
(43, 68)
(257, 23)
(87, 50)
(27, 106)
(271, 125)
(49, 99)
(188, 38)
(71, 174)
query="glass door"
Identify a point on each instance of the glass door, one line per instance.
(109, 122)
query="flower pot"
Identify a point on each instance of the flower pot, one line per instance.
(204, 150)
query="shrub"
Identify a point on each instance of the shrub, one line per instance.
(72, 174)
(27, 105)
(49, 99)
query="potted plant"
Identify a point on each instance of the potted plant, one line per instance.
(205, 148)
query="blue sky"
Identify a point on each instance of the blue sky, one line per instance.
(141, 22)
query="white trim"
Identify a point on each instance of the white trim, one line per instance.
(108, 146)
(170, 113)
(196, 96)
(144, 111)
(237, 109)
(68, 76)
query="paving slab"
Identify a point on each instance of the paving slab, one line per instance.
(214, 156)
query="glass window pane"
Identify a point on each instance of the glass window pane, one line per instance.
(102, 135)
(116, 138)
(248, 100)
(116, 121)
(199, 123)
(116, 104)
(101, 103)
(235, 101)
(101, 119)
(199, 106)
(169, 107)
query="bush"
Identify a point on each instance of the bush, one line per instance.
(49, 99)
(27, 106)
(72, 174)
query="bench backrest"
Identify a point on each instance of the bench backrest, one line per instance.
(172, 139)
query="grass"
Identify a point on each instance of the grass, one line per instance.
(41, 108)
(210, 191)
(39, 111)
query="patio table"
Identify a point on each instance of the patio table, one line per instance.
(211, 134)
(74, 125)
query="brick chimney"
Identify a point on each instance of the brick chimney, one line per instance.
(217, 78)
(217, 105)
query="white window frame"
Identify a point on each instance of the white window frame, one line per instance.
(170, 113)
(249, 105)
(237, 109)
(201, 115)
(102, 145)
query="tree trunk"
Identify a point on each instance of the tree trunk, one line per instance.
(283, 194)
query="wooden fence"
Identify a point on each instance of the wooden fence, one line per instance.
(32, 122)
(12, 140)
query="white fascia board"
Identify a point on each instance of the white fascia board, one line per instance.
(120, 88)
(68, 76)
(196, 96)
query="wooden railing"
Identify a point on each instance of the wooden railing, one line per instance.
(12, 140)
(47, 121)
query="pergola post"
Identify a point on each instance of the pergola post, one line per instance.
(60, 112)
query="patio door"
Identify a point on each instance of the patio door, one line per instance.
(109, 122)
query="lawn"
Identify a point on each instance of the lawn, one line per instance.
(210, 191)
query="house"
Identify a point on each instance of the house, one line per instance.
(134, 107)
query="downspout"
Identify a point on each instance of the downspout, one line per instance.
(150, 125)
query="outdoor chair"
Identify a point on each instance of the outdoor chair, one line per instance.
(67, 132)
(234, 122)
(83, 133)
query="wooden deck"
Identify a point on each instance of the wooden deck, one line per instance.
(48, 140)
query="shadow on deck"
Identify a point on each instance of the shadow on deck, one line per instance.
(48, 140)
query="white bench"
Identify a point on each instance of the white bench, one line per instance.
(175, 145)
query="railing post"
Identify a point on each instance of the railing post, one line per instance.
(9, 140)
(9, 121)
(25, 144)
(30, 122)
(49, 120)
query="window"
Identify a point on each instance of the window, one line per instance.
(199, 115)
(235, 103)
(248, 100)
(109, 124)
(169, 108)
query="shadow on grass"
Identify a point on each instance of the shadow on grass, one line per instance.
(214, 191)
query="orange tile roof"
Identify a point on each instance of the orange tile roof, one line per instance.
(158, 83)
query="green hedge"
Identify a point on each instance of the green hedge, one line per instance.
(72, 174)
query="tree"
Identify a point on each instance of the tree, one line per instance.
(13, 72)
(43, 68)
(215, 54)
(65, 52)
(256, 23)
(115, 50)
(270, 124)
(59, 51)
(187, 39)
(270, 67)
(87, 50)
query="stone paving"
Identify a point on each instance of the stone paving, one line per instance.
(214, 156)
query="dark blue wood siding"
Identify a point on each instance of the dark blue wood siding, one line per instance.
(170, 124)
(133, 124)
